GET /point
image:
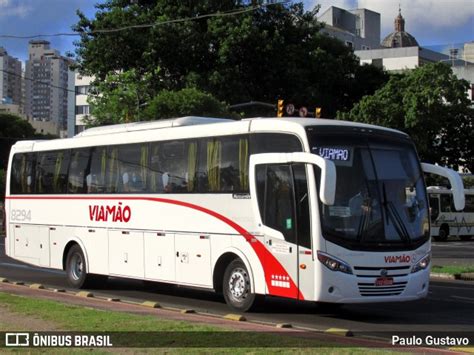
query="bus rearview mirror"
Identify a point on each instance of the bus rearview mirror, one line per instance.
(455, 180)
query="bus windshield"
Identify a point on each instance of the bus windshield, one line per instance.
(380, 194)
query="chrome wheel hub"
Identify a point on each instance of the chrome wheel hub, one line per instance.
(238, 285)
(76, 267)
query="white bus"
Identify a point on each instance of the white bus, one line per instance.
(316, 210)
(445, 219)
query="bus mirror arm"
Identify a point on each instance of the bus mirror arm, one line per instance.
(455, 180)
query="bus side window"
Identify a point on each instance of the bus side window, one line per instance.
(434, 207)
(132, 162)
(469, 203)
(52, 172)
(446, 203)
(22, 173)
(80, 160)
(177, 162)
(155, 172)
(223, 164)
(95, 177)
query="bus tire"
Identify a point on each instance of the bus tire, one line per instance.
(443, 234)
(465, 238)
(76, 268)
(236, 287)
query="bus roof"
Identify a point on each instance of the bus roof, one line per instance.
(190, 126)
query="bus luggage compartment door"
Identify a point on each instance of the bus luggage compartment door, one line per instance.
(126, 253)
(193, 259)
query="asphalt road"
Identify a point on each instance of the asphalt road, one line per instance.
(448, 309)
(453, 252)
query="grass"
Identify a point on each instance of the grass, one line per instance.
(452, 269)
(192, 338)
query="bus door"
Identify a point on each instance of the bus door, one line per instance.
(282, 200)
(282, 194)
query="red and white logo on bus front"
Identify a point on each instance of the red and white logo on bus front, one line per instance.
(398, 259)
(117, 213)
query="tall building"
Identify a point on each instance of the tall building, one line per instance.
(82, 85)
(469, 52)
(10, 79)
(47, 84)
(358, 29)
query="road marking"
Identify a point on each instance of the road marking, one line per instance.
(32, 268)
(467, 287)
(463, 298)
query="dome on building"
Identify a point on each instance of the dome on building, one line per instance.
(399, 38)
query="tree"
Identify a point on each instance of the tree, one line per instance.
(124, 97)
(430, 104)
(12, 129)
(189, 101)
(260, 54)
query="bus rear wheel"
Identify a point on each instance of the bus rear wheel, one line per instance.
(236, 287)
(76, 270)
(465, 238)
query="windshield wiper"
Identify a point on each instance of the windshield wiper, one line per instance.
(392, 213)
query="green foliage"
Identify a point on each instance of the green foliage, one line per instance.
(274, 52)
(12, 129)
(189, 101)
(431, 105)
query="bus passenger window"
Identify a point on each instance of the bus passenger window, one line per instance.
(95, 178)
(77, 171)
(223, 164)
(52, 172)
(133, 165)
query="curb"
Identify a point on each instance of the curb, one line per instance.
(84, 294)
(151, 304)
(439, 275)
(467, 276)
(235, 317)
(339, 331)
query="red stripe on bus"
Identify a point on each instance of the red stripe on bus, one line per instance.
(278, 281)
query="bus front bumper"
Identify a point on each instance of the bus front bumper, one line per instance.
(338, 287)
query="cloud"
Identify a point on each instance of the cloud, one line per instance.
(325, 4)
(32, 17)
(15, 9)
(436, 15)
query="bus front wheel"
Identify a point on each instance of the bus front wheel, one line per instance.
(443, 235)
(236, 287)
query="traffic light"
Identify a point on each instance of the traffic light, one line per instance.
(317, 112)
(280, 108)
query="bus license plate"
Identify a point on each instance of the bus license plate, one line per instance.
(384, 281)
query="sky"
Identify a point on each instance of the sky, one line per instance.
(434, 23)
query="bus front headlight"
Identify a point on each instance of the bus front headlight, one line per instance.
(422, 264)
(333, 263)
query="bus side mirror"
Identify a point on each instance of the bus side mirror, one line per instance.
(457, 186)
(327, 188)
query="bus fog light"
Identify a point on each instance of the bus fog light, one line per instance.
(331, 289)
(333, 264)
(422, 264)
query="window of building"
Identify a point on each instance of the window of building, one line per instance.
(82, 110)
